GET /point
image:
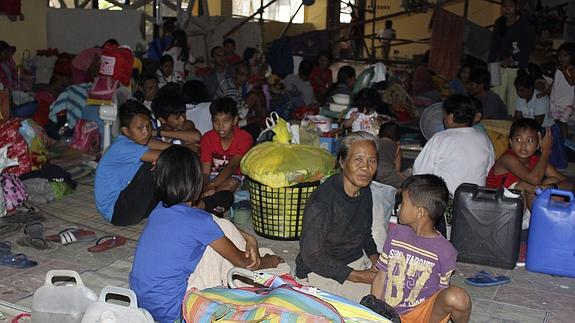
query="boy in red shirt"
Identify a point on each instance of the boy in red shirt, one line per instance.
(222, 150)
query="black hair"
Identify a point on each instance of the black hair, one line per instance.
(462, 108)
(229, 41)
(523, 123)
(390, 130)
(388, 24)
(168, 103)
(429, 192)
(481, 76)
(326, 54)
(147, 77)
(224, 105)
(248, 54)
(524, 80)
(535, 71)
(195, 91)
(4, 46)
(180, 39)
(305, 68)
(345, 73)
(367, 100)
(214, 49)
(177, 176)
(169, 26)
(166, 59)
(501, 23)
(570, 49)
(111, 41)
(129, 110)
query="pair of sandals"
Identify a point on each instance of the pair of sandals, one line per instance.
(9, 259)
(486, 279)
(34, 238)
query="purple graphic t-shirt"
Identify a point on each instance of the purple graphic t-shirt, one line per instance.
(416, 267)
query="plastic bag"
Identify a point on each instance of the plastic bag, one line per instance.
(282, 165)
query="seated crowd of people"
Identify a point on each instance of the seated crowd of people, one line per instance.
(183, 135)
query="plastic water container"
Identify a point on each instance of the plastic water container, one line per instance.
(61, 303)
(486, 226)
(105, 312)
(551, 242)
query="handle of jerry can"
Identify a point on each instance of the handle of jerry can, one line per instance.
(565, 193)
(63, 273)
(487, 193)
(113, 290)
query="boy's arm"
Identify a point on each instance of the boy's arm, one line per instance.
(154, 144)
(191, 136)
(151, 155)
(209, 188)
(378, 284)
(551, 171)
(228, 170)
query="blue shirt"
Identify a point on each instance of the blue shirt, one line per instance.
(169, 249)
(115, 171)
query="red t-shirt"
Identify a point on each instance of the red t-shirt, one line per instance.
(325, 77)
(211, 150)
(233, 59)
(508, 178)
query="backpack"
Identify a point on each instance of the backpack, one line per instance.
(86, 136)
(14, 191)
(115, 70)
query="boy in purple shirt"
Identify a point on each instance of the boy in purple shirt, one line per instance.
(417, 261)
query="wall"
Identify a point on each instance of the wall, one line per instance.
(416, 26)
(316, 14)
(29, 33)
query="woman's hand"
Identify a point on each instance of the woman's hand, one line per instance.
(362, 276)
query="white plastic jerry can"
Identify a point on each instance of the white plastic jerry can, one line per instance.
(105, 312)
(64, 302)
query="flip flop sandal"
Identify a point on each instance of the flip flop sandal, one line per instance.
(5, 248)
(71, 235)
(9, 228)
(107, 243)
(23, 217)
(17, 261)
(35, 237)
(485, 279)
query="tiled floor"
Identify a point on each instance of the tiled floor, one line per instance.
(529, 297)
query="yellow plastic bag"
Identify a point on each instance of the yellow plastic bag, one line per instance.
(282, 165)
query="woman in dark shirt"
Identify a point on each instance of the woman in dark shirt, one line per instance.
(337, 250)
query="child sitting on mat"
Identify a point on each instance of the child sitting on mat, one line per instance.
(222, 150)
(177, 235)
(417, 261)
(170, 123)
(124, 174)
(522, 167)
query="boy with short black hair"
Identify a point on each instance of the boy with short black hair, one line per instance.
(170, 122)
(417, 262)
(147, 89)
(124, 174)
(480, 88)
(222, 149)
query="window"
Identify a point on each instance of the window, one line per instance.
(281, 10)
(345, 11)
